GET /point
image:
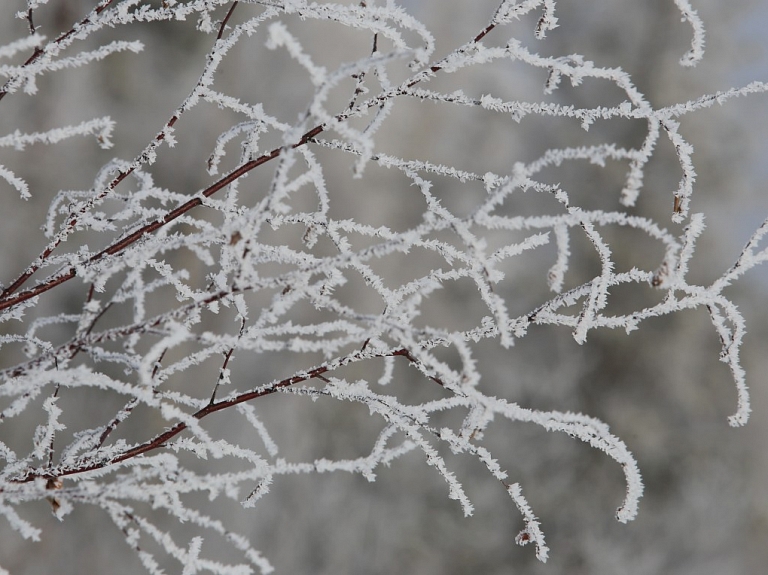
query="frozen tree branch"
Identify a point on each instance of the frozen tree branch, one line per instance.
(266, 257)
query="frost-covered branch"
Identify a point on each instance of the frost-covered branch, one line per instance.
(174, 284)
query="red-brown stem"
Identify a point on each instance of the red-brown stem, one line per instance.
(133, 237)
(161, 439)
(30, 271)
(103, 5)
(7, 301)
(226, 19)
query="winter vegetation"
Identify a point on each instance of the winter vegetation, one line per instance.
(254, 240)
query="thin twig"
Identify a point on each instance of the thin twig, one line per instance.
(103, 5)
(7, 299)
(163, 438)
(226, 18)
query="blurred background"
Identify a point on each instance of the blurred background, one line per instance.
(661, 389)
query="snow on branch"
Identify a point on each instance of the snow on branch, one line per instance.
(276, 258)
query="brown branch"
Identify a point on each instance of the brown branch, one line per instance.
(103, 5)
(226, 19)
(6, 298)
(407, 355)
(30, 21)
(227, 357)
(124, 413)
(30, 271)
(163, 438)
(86, 340)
